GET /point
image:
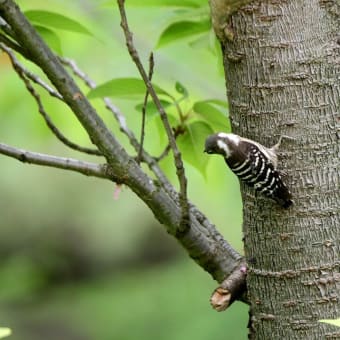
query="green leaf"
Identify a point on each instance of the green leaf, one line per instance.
(51, 38)
(173, 121)
(180, 88)
(55, 20)
(213, 112)
(159, 3)
(182, 29)
(205, 42)
(4, 332)
(151, 109)
(127, 88)
(202, 42)
(192, 142)
(335, 322)
(223, 104)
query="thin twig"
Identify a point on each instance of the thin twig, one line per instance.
(163, 154)
(177, 155)
(85, 168)
(41, 83)
(120, 118)
(142, 133)
(108, 104)
(7, 28)
(35, 95)
(178, 130)
(29, 74)
(118, 115)
(13, 45)
(78, 72)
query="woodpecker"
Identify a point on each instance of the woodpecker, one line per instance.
(253, 163)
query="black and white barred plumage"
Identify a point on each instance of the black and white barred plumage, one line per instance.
(253, 163)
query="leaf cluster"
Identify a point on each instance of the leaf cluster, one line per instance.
(191, 119)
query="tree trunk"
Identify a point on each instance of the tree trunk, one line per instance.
(282, 69)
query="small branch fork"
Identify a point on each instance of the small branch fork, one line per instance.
(177, 155)
(22, 73)
(120, 118)
(85, 168)
(202, 241)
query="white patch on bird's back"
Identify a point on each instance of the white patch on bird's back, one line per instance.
(223, 146)
(234, 138)
(230, 136)
(223, 135)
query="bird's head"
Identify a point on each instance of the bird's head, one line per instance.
(221, 143)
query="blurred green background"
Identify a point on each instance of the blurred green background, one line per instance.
(77, 264)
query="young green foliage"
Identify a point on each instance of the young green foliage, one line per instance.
(4, 332)
(129, 88)
(191, 121)
(48, 23)
(159, 3)
(56, 20)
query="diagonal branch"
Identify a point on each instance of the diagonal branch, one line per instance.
(164, 153)
(120, 118)
(29, 74)
(142, 133)
(13, 45)
(85, 168)
(202, 240)
(177, 155)
(22, 74)
(118, 115)
(6, 28)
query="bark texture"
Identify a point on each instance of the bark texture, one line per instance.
(282, 70)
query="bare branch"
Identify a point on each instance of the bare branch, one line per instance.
(142, 133)
(202, 240)
(78, 72)
(29, 74)
(164, 153)
(177, 155)
(85, 168)
(120, 118)
(22, 74)
(6, 28)
(8, 42)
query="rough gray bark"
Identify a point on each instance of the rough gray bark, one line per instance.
(282, 70)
